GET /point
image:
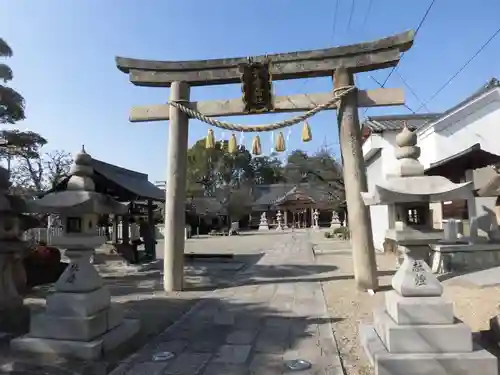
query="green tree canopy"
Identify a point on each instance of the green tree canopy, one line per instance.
(230, 177)
(11, 102)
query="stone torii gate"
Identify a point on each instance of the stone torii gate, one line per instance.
(340, 62)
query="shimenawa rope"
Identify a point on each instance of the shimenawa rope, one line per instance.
(338, 94)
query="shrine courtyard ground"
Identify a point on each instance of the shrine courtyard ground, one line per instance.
(283, 296)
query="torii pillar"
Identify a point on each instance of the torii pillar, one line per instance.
(175, 191)
(363, 250)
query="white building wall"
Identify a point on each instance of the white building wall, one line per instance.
(476, 122)
(378, 214)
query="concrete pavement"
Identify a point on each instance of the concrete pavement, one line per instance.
(272, 313)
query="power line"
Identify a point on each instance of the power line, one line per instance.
(412, 91)
(420, 24)
(378, 83)
(416, 32)
(490, 39)
(351, 12)
(367, 11)
(335, 13)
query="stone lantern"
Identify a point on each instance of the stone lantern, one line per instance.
(79, 320)
(279, 219)
(315, 217)
(416, 332)
(263, 225)
(13, 313)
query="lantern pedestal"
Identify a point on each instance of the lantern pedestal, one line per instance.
(14, 315)
(263, 225)
(79, 320)
(416, 331)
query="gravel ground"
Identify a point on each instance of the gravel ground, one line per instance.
(352, 307)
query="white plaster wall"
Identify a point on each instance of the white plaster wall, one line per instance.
(378, 214)
(477, 122)
(376, 171)
(385, 142)
(389, 161)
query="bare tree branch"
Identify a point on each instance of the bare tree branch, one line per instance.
(40, 173)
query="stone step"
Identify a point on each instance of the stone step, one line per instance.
(418, 310)
(478, 361)
(58, 327)
(79, 349)
(435, 338)
(78, 304)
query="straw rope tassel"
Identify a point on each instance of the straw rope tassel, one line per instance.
(232, 147)
(280, 143)
(256, 148)
(222, 140)
(210, 139)
(306, 132)
(242, 140)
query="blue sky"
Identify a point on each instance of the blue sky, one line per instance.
(64, 61)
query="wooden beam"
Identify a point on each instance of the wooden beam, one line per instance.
(279, 71)
(291, 103)
(402, 42)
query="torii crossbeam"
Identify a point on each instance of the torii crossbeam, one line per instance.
(340, 62)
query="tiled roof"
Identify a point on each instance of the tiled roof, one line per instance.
(378, 124)
(265, 195)
(207, 206)
(268, 195)
(135, 183)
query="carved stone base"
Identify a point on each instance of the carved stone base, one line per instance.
(11, 276)
(478, 361)
(415, 278)
(93, 349)
(79, 319)
(419, 335)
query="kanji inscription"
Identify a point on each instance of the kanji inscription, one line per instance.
(72, 271)
(256, 87)
(418, 268)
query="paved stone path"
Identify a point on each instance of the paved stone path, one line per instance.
(273, 313)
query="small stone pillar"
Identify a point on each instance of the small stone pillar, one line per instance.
(279, 220)
(114, 235)
(471, 206)
(286, 218)
(315, 216)
(125, 229)
(79, 319)
(334, 222)
(450, 228)
(263, 225)
(148, 234)
(14, 315)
